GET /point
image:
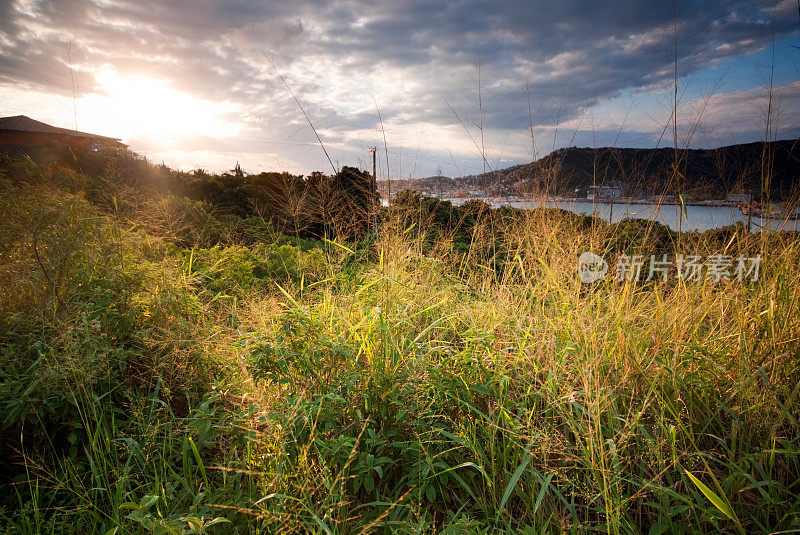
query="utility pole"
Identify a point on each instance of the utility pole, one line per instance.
(373, 150)
(374, 190)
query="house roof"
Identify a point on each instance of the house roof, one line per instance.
(22, 123)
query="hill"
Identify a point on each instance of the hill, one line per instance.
(705, 174)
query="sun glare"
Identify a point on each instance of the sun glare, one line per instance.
(151, 110)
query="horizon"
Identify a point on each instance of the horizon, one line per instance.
(199, 86)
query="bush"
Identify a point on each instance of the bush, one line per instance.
(238, 270)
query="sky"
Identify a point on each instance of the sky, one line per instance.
(440, 87)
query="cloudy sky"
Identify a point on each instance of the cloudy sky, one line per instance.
(197, 83)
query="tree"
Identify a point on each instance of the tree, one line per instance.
(354, 201)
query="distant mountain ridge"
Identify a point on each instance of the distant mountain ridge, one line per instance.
(702, 173)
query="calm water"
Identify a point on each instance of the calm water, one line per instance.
(696, 217)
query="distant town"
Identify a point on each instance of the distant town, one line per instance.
(714, 177)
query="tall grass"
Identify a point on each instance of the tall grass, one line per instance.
(451, 374)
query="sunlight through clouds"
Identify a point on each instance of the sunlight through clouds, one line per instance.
(173, 80)
(148, 109)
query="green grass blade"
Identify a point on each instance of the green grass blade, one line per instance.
(513, 482)
(718, 502)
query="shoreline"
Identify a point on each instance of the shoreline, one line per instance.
(714, 203)
(622, 200)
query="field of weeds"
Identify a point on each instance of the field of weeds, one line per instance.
(170, 369)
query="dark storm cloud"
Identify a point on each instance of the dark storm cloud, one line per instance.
(573, 54)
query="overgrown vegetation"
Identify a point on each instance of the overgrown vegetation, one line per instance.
(181, 362)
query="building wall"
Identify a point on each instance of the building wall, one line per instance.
(603, 192)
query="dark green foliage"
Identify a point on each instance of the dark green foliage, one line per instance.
(640, 237)
(318, 206)
(238, 270)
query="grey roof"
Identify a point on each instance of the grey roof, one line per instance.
(22, 123)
